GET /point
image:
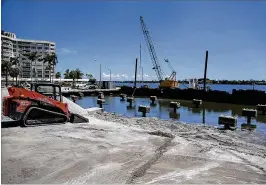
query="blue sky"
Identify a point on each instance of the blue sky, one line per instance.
(232, 31)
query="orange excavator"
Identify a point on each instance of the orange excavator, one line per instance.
(40, 105)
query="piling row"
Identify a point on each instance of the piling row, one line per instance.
(229, 122)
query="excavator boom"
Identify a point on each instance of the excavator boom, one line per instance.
(164, 82)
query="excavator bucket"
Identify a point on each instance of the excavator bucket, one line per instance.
(76, 118)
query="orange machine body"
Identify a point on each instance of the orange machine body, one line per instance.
(25, 97)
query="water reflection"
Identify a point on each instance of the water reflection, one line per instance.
(174, 115)
(207, 113)
(153, 104)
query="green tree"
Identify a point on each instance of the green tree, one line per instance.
(79, 74)
(5, 68)
(66, 74)
(14, 72)
(15, 68)
(51, 59)
(75, 74)
(58, 75)
(89, 76)
(32, 57)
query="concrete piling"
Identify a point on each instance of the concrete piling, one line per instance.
(261, 109)
(122, 96)
(74, 98)
(153, 99)
(229, 122)
(174, 105)
(130, 100)
(100, 102)
(100, 95)
(81, 95)
(249, 113)
(144, 109)
(196, 102)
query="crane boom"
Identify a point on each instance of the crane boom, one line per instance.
(150, 46)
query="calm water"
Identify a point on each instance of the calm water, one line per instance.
(221, 87)
(208, 114)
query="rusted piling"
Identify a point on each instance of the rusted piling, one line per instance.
(249, 113)
(261, 109)
(122, 96)
(130, 100)
(144, 109)
(229, 122)
(196, 103)
(100, 102)
(174, 105)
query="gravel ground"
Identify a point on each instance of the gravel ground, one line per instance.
(115, 149)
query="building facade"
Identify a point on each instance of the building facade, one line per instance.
(14, 47)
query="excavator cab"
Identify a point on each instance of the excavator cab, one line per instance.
(48, 89)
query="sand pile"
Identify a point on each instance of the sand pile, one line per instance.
(116, 149)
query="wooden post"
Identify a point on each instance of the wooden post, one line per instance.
(205, 71)
(136, 69)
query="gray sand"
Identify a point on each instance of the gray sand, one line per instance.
(115, 149)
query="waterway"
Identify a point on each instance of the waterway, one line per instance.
(208, 114)
(220, 87)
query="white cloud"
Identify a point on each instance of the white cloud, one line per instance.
(106, 76)
(114, 76)
(66, 51)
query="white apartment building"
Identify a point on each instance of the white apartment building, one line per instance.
(13, 46)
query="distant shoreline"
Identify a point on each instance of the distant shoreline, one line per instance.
(221, 83)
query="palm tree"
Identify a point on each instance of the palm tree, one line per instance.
(49, 68)
(58, 75)
(53, 62)
(66, 74)
(79, 74)
(51, 59)
(89, 76)
(73, 76)
(32, 57)
(5, 67)
(15, 70)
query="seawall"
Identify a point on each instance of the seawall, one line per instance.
(245, 97)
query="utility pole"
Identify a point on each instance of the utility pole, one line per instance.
(142, 74)
(100, 76)
(136, 69)
(205, 71)
(110, 73)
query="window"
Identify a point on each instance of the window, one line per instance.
(14, 46)
(39, 47)
(46, 48)
(14, 50)
(46, 44)
(33, 47)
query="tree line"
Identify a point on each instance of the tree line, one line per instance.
(13, 66)
(75, 74)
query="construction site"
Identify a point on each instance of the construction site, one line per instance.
(47, 138)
